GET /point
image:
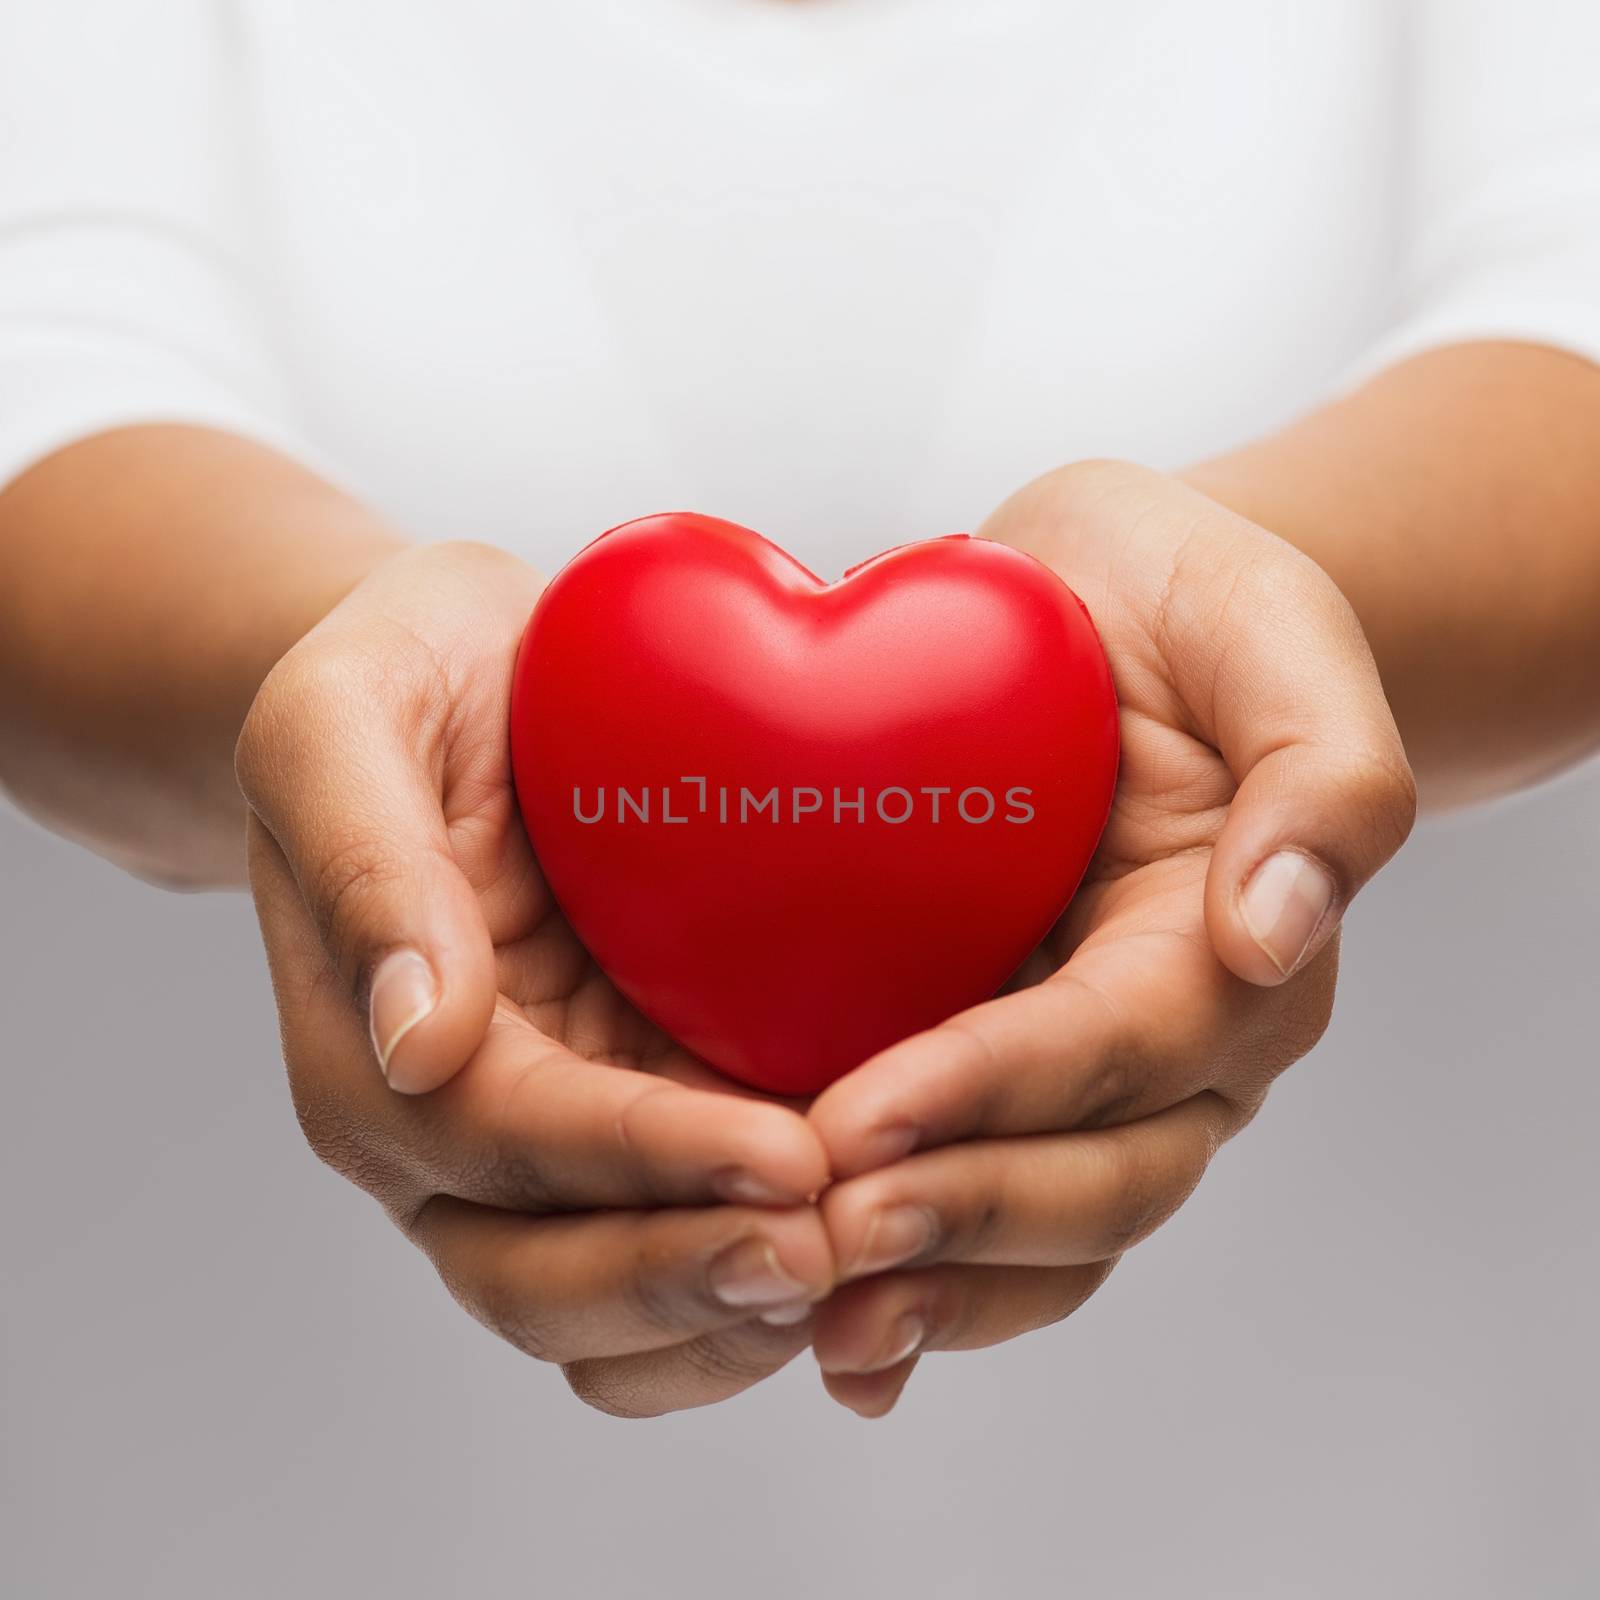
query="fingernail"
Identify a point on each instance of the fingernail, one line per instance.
(894, 1236)
(1283, 906)
(404, 991)
(786, 1316)
(905, 1339)
(885, 1146)
(750, 1274)
(910, 1331)
(745, 1189)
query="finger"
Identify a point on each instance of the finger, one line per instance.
(617, 1283)
(341, 761)
(1325, 793)
(526, 1124)
(879, 1324)
(1044, 1201)
(700, 1372)
(870, 1394)
(1140, 1021)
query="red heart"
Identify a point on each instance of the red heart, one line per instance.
(680, 670)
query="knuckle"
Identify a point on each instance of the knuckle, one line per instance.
(626, 1136)
(971, 1068)
(508, 1311)
(498, 1162)
(343, 887)
(1307, 1018)
(1240, 1108)
(952, 1303)
(1383, 785)
(979, 1231)
(656, 1295)
(517, 1180)
(1141, 1195)
(336, 1137)
(489, 1288)
(1114, 1086)
(603, 1386)
(1282, 1026)
(1112, 1090)
(721, 1359)
(1067, 1292)
(1086, 1282)
(1402, 799)
(331, 1141)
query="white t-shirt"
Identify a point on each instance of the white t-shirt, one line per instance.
(847, 270)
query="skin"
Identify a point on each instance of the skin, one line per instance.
(570, 1176)
(582, 1186)
(1056, 1126)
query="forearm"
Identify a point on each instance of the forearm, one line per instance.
(1456, 501)
(153, 577)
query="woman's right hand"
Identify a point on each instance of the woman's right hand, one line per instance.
(584, 1187)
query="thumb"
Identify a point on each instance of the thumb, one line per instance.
(1325, 795)
(357, 813)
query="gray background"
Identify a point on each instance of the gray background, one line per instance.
(1360, 1362)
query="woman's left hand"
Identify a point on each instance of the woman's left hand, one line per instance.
(990, 1172)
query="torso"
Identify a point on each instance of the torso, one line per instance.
(847, 271)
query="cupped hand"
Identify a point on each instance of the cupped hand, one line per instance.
(990, 1172)
(583, 1187)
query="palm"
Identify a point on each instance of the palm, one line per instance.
(1141, 898)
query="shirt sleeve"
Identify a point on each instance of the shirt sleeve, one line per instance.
(130, 282)
(1502, 231)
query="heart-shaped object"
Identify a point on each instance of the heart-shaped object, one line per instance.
(795, 822)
